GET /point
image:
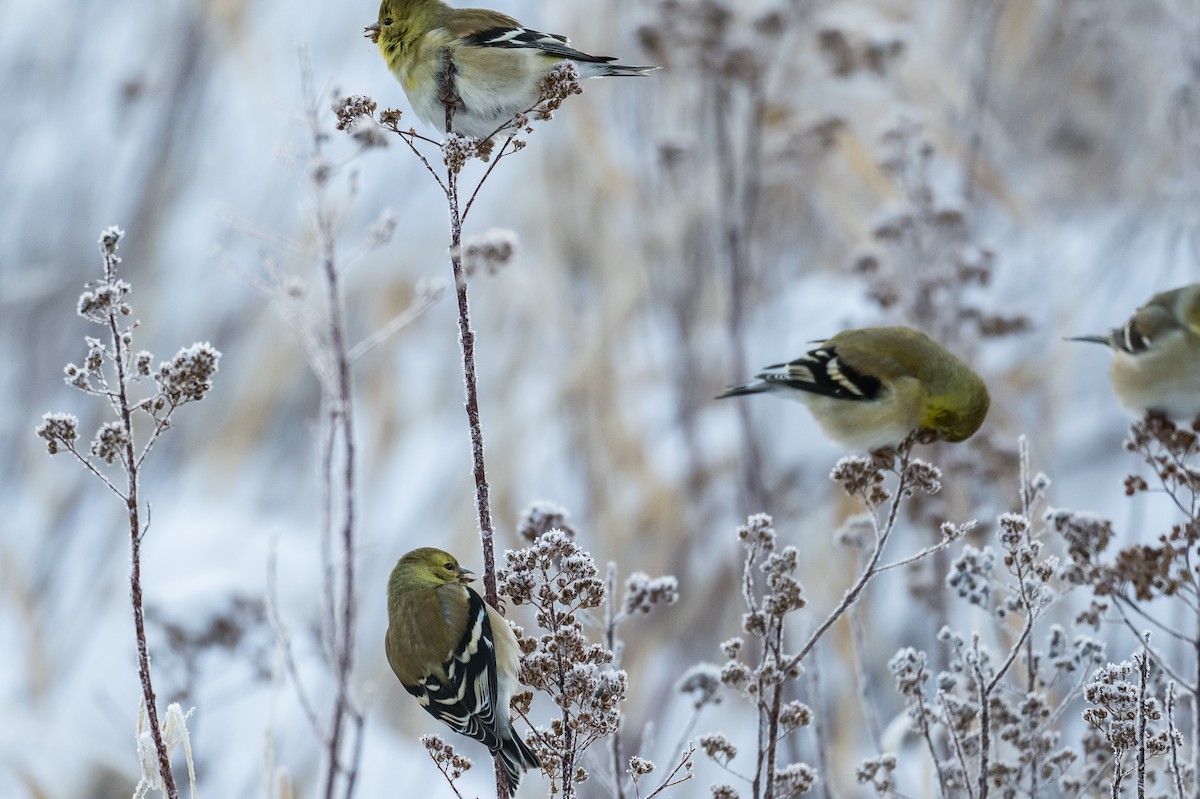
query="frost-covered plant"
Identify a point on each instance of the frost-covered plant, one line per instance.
(560, 581)
(866, 478)
(175, 732)
(1129, 716)
(762, 671)
(643, 594)
(135, 392)
(1153, 583)
(357, 115)
(760, 666)
(447, 759)
(990, 721)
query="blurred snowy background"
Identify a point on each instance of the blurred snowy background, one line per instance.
(676, 233)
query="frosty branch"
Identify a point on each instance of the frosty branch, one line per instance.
(357, 115)
(114, 372)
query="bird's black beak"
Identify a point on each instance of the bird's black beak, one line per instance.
(465, 575)
(372, 32)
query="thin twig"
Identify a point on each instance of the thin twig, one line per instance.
(285, 641)
(332, 364)
(958, 750)
(916, 556)
(773, 725)
(1162, 626)
(466, 338)
(1013, 651)
(1171, 733)
(982, 84)
(610, 640)
(865, 575)
(1143, 673)
(503, 151)
(1195, 691)
(397, 323)
(1117, 774)
(327, 436)
(406, 137)
(1154, 653)
(984, 723)
(135, 563)
(820, 733)
(922, 719)
(87, 464)
(670, 781)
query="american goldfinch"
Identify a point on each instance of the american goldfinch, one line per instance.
(455, 654)
(1156, 355)
(870, 388)
(494, 64)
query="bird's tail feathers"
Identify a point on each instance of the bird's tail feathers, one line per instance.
(602, 69)
(625, 69)
(518, 758)
(757, 387)
(1105, 340)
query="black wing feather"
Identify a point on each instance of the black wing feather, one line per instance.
(466, 701)
(524, 38)
(821, 371)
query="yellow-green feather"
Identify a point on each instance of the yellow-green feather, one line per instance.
(893, 353)
(427, 614)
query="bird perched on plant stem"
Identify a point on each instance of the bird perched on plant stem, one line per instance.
(870, 388)
(1156, 355)
(455, 654)
(484, 62)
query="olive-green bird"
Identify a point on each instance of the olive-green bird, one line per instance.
(455, 654)
(492, 63)
(1156, 355)
(870, 388)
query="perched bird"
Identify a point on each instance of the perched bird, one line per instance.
(492, 64)
(870, 388)
(1156, 355)
(455, 654)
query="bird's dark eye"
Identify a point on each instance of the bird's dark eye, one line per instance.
(387, 20)
(449, 567)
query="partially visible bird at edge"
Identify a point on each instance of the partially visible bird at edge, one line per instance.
(1156, 355)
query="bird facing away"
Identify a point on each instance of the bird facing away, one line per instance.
(492, 64)
(455, 654)
(870, 388)
(1156, 355)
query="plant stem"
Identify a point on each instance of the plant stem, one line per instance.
(333, 369)
(1143, 671)
(984, 722)
(868, 571)
(135, 565)
(773, 720)
(466, 340)
(1196, 696)
(610, 640)
(341, 420)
